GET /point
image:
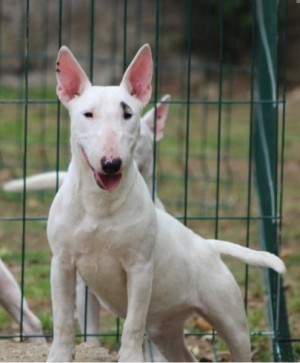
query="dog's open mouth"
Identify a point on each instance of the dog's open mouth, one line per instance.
(107, 182)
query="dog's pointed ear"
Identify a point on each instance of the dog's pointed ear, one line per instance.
(138, 76)
(161, 116)
(71, 78)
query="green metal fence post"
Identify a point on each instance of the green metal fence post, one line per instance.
(266, 145)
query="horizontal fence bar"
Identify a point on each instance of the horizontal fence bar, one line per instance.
(113, 334)
(178, 102)
(205, 218)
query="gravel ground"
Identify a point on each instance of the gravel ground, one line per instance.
(34, 352)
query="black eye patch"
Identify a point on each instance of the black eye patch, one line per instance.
(88, 114)
(127, 111)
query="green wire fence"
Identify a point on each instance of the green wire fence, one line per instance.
(219, 167)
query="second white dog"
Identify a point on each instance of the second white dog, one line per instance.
(10, 299)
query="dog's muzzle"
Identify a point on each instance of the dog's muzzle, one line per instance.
(110, 178)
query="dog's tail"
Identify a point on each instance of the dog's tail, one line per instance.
(44, 181)
(249, 256)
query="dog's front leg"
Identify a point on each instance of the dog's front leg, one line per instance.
(63, 274)
(139, 288)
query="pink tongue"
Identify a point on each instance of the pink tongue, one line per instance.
(107, 182)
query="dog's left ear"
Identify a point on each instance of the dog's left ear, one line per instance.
(71, 78)
(138, 76)
(161, 116)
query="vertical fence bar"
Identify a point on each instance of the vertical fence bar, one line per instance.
(219, 134)
(266, 144)
(24, 202)
(125, 36)
(284, 340)
(155, 90)
(1, 45)
(58, 112)
(42, 112)
(92, 39)
(205, 169)
(188, 107)
(250, 149)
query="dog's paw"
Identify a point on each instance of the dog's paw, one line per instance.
(61, 354)
(130, 356)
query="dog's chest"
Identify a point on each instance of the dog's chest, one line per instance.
(107, 279)
(97, 237)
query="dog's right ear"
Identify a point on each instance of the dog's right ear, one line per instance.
(71, 78)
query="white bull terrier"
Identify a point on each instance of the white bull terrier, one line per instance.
(139, 261)
(152, 129)
(150, 132)
(10, 299)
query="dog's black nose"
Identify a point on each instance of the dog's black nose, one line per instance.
(111, 167)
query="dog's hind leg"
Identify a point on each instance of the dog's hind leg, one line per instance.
(235, 333)
(223, 308)
(171, 343)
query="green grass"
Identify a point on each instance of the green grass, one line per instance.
(202, 152)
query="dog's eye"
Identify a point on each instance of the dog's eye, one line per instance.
(127, 111)
(88, 114)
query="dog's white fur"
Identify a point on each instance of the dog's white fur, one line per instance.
(139, 261)
(152, 129)
(10, 299)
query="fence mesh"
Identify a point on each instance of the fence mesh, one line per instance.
(223, 62)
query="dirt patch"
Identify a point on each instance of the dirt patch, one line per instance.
(34, 352)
